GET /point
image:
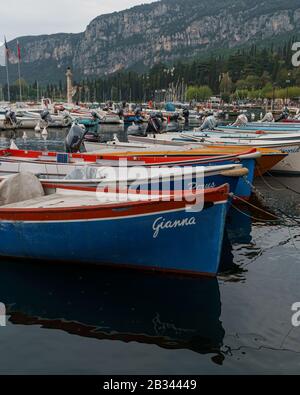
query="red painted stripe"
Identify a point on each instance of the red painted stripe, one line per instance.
(144, 159)
(106, 211)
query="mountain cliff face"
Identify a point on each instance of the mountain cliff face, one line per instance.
(159, 32)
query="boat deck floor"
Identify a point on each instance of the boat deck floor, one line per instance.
(65, 198)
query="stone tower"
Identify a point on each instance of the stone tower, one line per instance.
(69, 76)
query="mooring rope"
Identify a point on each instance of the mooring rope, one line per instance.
(273, 221)
(278, 181)
(281, 183)
(267, 184)
(252, 217)
(262, 197)
(255, 207)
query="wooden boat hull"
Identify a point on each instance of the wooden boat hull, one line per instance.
(37, 163)
(291, 163)
(268, 159)
(151, 235)
(196, 180)
(267, 162)
(253, 128)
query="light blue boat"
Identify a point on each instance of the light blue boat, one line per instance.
(254, 127)
(240, 135)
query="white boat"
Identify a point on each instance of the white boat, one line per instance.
(289, 165)
(113, 146)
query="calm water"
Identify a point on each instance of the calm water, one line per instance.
(65, 319)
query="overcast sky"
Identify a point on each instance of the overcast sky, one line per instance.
(30, 17)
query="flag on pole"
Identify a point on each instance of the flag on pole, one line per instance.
(7, 51)
(7, 54)
(19, 51)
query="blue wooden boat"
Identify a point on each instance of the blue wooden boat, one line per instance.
(61, 164)
(149, 233)
(248, 161)
(156, 180)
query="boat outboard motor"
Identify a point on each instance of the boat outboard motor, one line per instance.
(154, 124)
(75, 138)
(174, 117)
(241, 120)
(268, 117)
(95, 116)
(11, 117)
(45, 115)
(284, 115)
(67, 119)
(186, 115)
(138, 112)
(209, 123)
(121, 113)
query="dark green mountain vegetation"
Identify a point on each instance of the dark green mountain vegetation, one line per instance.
(250, 73)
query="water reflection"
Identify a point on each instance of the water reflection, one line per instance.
(171, 312)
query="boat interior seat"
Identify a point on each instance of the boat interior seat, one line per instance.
(20, 187)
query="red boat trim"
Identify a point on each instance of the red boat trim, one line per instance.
(146, 160)
(109, 211)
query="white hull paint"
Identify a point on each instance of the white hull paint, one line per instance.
(290, 164)
(127, 147)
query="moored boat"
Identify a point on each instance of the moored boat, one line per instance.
(148, 233)
(269, 158)
(52, 163)
(290, 164)
(150, 180)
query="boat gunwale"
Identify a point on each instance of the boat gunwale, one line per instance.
(157, 204)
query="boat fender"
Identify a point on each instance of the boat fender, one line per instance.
(235, 172)
(260, 132)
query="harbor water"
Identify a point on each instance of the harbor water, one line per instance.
(89, 320)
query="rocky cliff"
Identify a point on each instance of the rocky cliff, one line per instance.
(159, 32)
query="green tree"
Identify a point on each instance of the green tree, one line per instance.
(199, 93)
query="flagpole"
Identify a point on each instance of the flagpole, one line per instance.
(19, 69)
(7, 79)
(7, 73)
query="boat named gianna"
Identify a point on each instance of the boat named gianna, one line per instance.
(147, 232)
(161, 223)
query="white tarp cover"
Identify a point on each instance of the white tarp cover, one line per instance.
(86, 173)
(20, 187)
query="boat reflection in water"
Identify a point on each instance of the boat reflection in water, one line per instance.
(242, 224)
(169, 311)
(239, 225)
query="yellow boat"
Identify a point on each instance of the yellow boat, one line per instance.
(268, 159)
